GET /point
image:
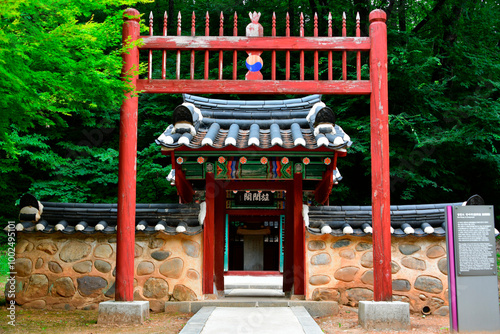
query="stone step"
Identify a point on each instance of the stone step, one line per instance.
(315, 308)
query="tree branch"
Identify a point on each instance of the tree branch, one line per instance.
(436, 9)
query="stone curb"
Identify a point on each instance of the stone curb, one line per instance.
(197, 322)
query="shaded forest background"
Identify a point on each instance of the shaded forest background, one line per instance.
(61, 93)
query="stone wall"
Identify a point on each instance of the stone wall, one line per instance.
(78, 271)
(341, 269)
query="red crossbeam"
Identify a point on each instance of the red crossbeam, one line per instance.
(216, 43)
(349, 87)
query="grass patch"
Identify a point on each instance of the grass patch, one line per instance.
(4, 272)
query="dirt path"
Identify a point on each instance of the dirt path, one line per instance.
(85, 322)
(347, 322)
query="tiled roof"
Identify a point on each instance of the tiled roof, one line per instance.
(90, 218)
(264, 124)
(418, 220)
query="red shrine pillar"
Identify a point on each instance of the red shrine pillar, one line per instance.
(379, 120)
(125, 234)
(298, 236)
(209, 234)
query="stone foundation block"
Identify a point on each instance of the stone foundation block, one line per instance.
(112, 312)
(384, 315)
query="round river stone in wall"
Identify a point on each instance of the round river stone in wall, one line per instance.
(160, 255)
(24, 246)
(83, 267)
(39, 263)
(103, 251)
(64, 287)
(315, 245)
(183, 293)
(102, 266)
(193, 274)
(23, 267)
(362, 246)
(346, 274)
(74, 251)
(356, 295)
(341, 243)
(138, 250)
(428, 284)
(443, 265)
(145, 268)
(156, 243)
(367, 277)
(435, 252)
(88, 285)
(172, 268)
(408, 249)
(319, 279)
(38, 286)
(191, 248)
(111, 291)
(347, 254)
(401, 285)
(325, 294)
(36, 304)
(442, 311)
(399, 298)
(321, 259)
(55, 267)
(413, 263)
(394, 267)
(155, 288)
(48, 247)
(367, 260)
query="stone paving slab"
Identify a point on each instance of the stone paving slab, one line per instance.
(314, 308)
(247, 320)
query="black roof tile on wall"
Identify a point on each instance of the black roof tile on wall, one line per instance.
(417, 217)
(71, 218)
(89, 218)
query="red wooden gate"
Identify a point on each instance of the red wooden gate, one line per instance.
(255, 43)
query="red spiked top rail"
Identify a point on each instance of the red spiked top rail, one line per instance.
(175, 45)
(199, 82)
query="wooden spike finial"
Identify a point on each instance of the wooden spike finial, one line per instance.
(193, 24)
(273, 30)
(315, 24)
(330, 33)
(344, 33)
(235, 24)
(179, 20)
(358, 34)
(287, 24)
(207, 24)
(221, 28)
(165, 20)
(301, 24)
(151, 23)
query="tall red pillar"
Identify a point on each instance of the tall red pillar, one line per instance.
(379, 120)
(298, 236)
(209, 235)
(125, 239)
